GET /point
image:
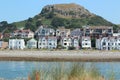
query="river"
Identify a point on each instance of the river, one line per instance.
(10, 70)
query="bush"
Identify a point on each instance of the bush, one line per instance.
(71, 48)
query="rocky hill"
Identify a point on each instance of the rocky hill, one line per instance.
(68, 15)
(67, 11)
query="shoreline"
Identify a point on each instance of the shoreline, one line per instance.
(77, 56)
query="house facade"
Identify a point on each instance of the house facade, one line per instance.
(23, 33)
(62, 32)
(108, 43)
(43, 31)
(76, 42)
(52, 42)
(66, 42)
(6, 35)
(96, 31)
(32, 43)
(3, 45)
(42, 43)
(116, 34)
(16, 44)
(86, 42)
(47, 42)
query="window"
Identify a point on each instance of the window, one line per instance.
(39, 43)
(50, 43)
(112, 43)
(86, 44)
(57, 31)
(33, 43)
(65, 43)
(65, 40)
(104, 43)
(118, 43)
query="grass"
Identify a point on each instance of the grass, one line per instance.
(76, 71)
(47, 21)
(66, 6)
(20, 24)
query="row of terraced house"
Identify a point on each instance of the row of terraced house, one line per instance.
(48, 38)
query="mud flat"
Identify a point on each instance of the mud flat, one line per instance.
(88, 56)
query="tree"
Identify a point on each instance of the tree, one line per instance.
(4, 23)
(30, 26)
(3, 26)
(93, 41)
(98, 21)
(30, 20)
(50, 15)
(57, 22)
(71, 48)
(38, 23)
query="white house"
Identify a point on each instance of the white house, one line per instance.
(16, 44)
(116, 34)
(86, 42)
(47, 42)
(42, 43)
(75, 42)
(108, 43)
(66, 42)
(52, 42)
(32, 43)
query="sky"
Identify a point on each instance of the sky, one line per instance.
(18, 10)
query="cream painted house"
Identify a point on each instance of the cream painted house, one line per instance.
(3, 45)
(62, 32)
(23, 33)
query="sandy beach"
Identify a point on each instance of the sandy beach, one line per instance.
(29, 55)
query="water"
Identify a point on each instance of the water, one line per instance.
(12, 69)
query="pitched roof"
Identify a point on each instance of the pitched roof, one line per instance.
(32, 40)
(23, 31)
(100, 27)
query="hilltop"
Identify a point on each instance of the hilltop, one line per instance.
(67, 11)
(68, 15)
